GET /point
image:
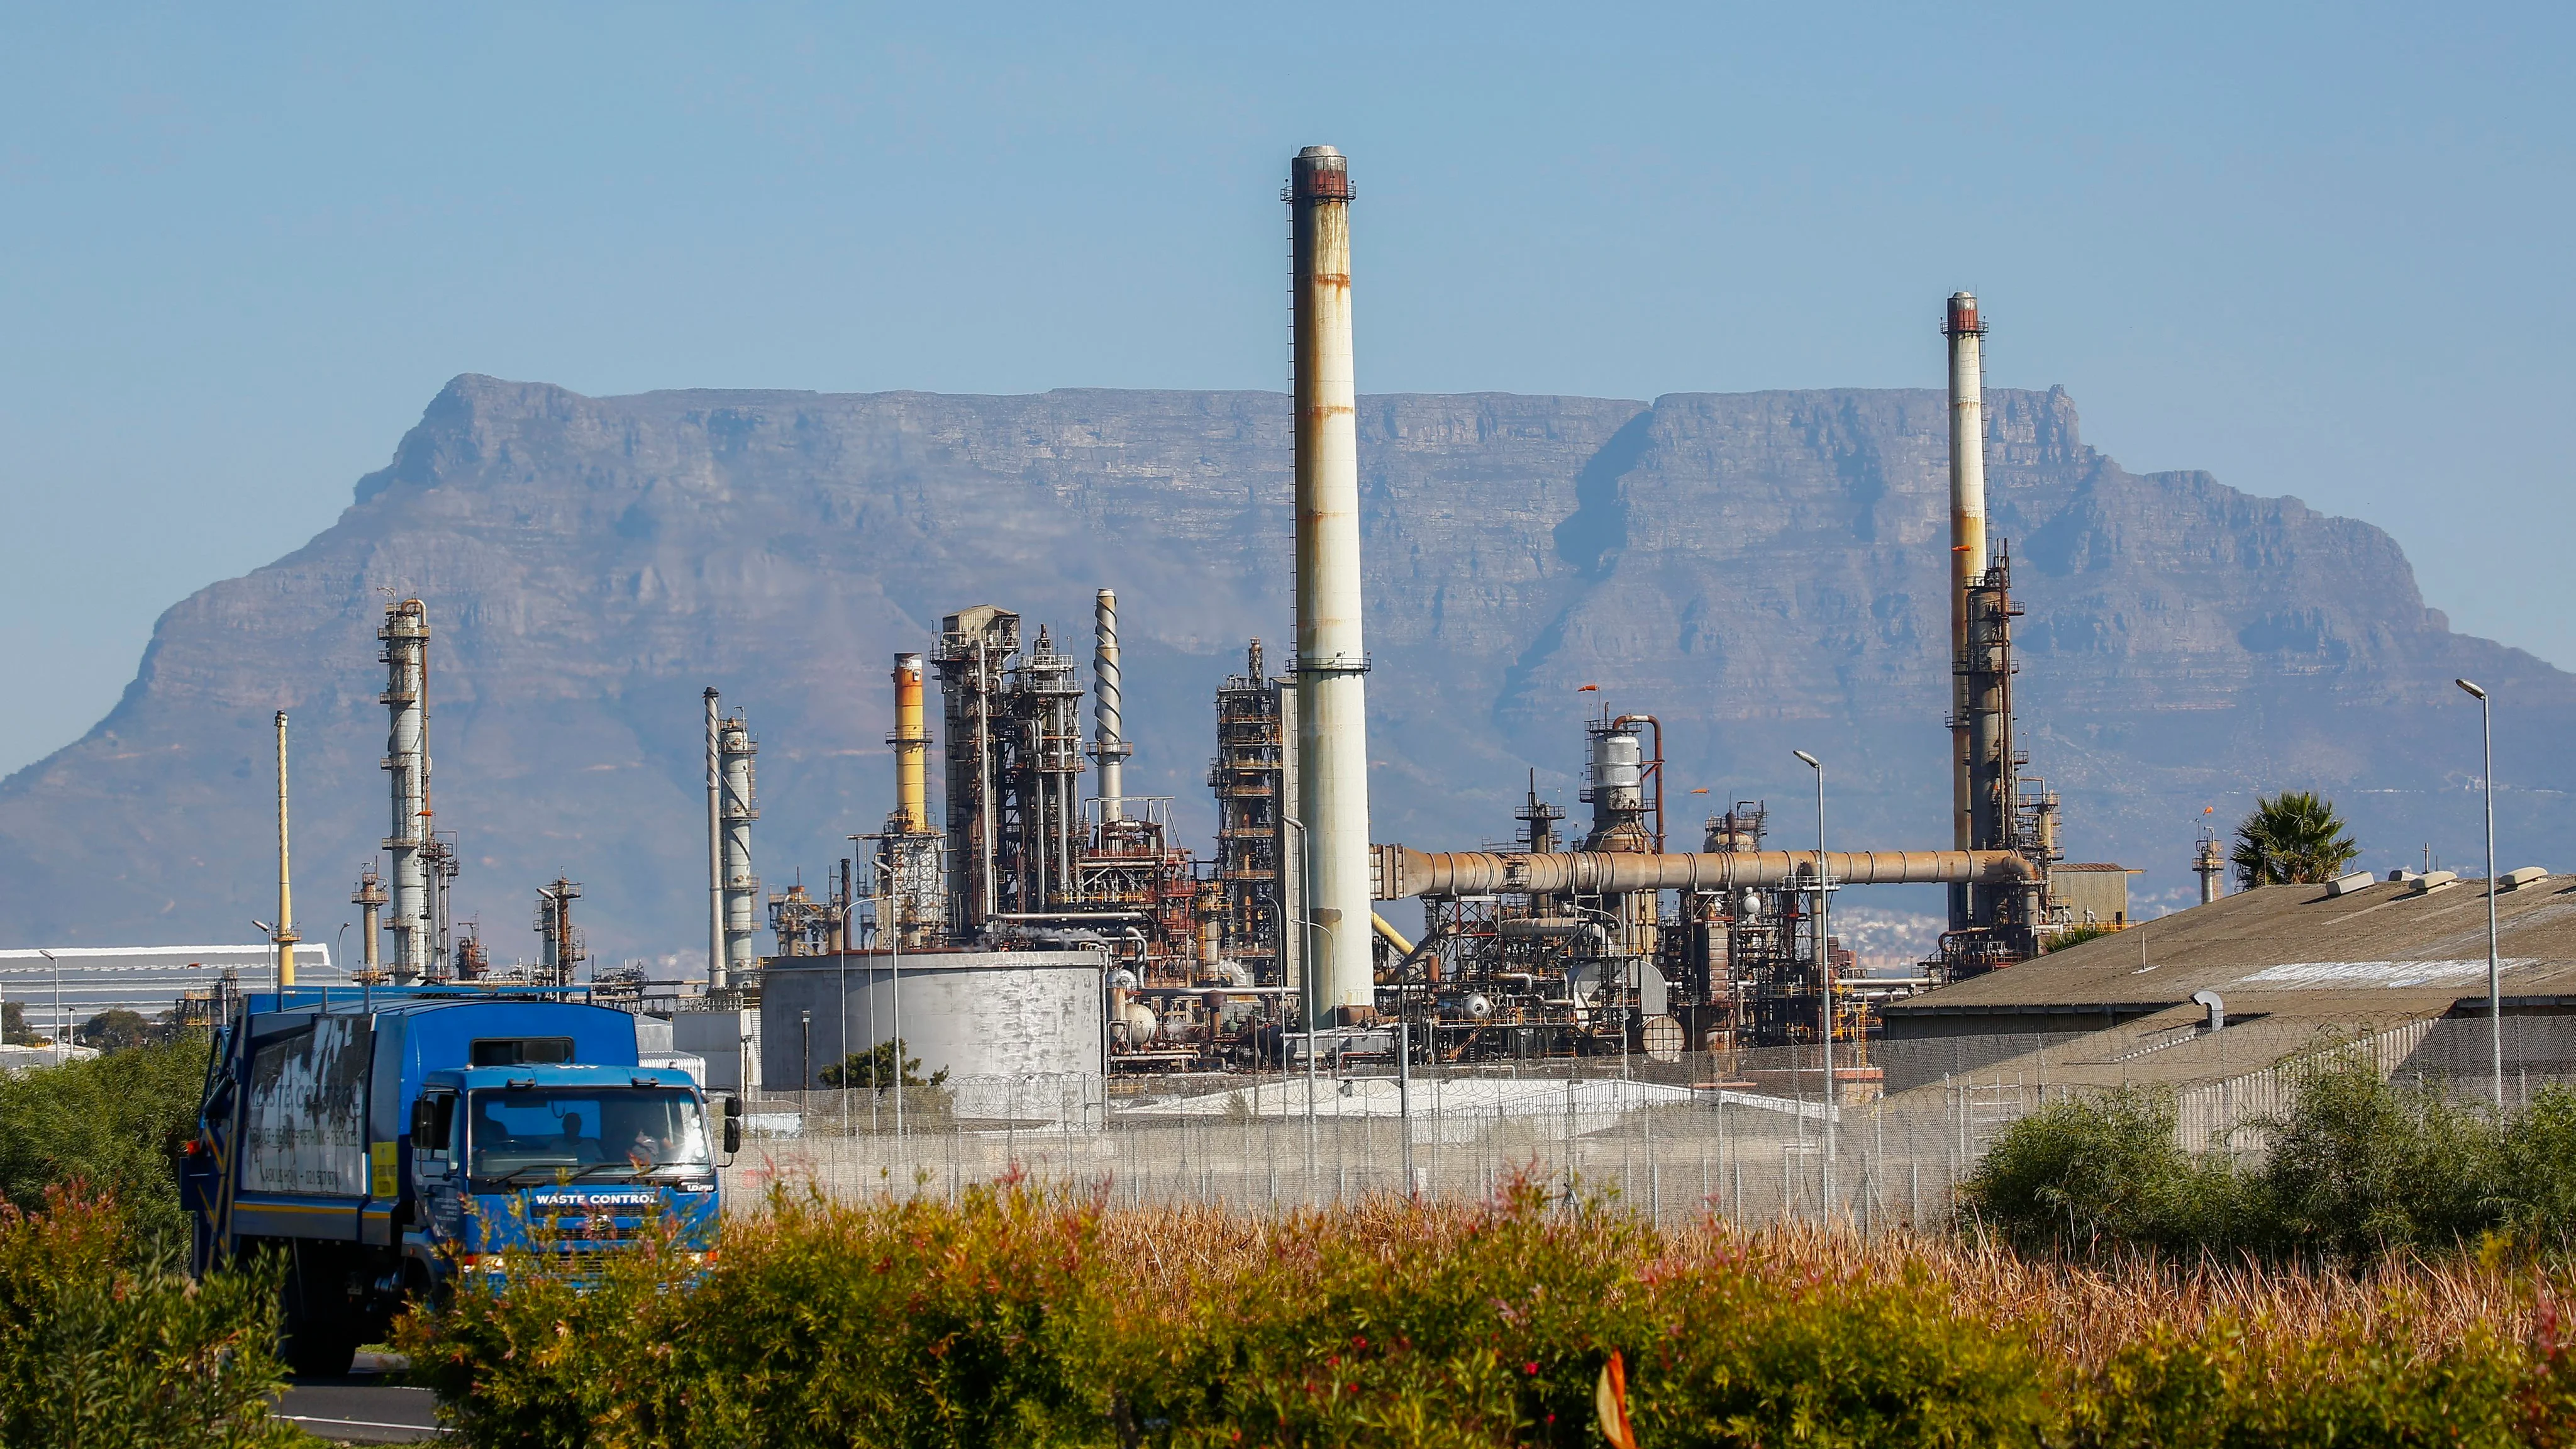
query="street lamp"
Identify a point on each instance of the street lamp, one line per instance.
(2495, 969)
(1305, 986)
(1824, 974)
(894, 958)
(58, 1001)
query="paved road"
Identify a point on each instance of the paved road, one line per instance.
(361, 1407)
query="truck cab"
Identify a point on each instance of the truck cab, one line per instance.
(383, 1141)
(573, 1159)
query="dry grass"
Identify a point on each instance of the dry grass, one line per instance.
(2082, 1313)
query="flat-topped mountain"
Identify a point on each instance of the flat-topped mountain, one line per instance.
(1762, 571)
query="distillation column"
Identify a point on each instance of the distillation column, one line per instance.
(1109, 747)
(1332, 661)
(716, 973)
(406, 698)
(1966, 332)
(734, 749)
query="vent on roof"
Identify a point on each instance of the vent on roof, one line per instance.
(2514, 880)
(2346, 885)
(2425, 885)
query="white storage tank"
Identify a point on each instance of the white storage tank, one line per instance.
(973, 1014)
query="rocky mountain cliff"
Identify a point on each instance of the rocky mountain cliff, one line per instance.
(1762, 571)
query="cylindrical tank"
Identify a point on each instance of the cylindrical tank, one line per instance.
(1133, 1026)
(972, 1014)
(1619, 790)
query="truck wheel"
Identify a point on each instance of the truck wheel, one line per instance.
(318, 1350)
(319, 1335)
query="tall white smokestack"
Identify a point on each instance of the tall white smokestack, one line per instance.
(1967, 534)
(1108, 737)
(1332, 663)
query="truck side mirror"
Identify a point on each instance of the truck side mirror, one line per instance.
(424, 1126)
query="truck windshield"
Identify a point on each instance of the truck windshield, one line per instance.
(535, 1134)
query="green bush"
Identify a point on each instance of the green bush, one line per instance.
(2357, 1168)
(2361, 1166)
(820, 1323)
(102, 1346)
(1021, 1318)
(116, 1122)
(2106, 1172)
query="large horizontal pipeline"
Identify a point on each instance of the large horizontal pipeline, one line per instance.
(1401, 872)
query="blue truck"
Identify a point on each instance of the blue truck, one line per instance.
(385, 1141)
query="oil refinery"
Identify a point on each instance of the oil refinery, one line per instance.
(1041, 920)
(1031, 917)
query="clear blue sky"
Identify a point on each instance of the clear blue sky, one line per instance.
(2320, 250)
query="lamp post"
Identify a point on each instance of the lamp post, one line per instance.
(2495, 967)
(1306, 988)
(1824, 974)
(275, 983)
(58, 1001)
(894, 965)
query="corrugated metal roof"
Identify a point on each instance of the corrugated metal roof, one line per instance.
(2381, 953)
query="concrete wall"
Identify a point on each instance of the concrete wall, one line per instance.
(729, 1043)
(1924, 1060)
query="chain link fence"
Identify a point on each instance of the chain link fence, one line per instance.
(1756, 1144)
(1748, 1137)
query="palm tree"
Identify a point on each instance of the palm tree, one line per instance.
(2293, 838)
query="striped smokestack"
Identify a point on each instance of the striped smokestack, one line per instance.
(1966, 332)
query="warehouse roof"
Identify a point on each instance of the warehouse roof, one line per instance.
(2384, 951)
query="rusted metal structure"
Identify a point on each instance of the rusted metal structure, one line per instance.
(1245, 778)
(369, 898)
(804, 924)
(560, 948)
(1014, 751)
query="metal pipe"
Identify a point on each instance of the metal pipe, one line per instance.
(911, 748)
(1390, 934)
(285, 936)
(716, 980)
(1966, 331)
(1406, 872)
(1332, 661)
(1109, 745)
